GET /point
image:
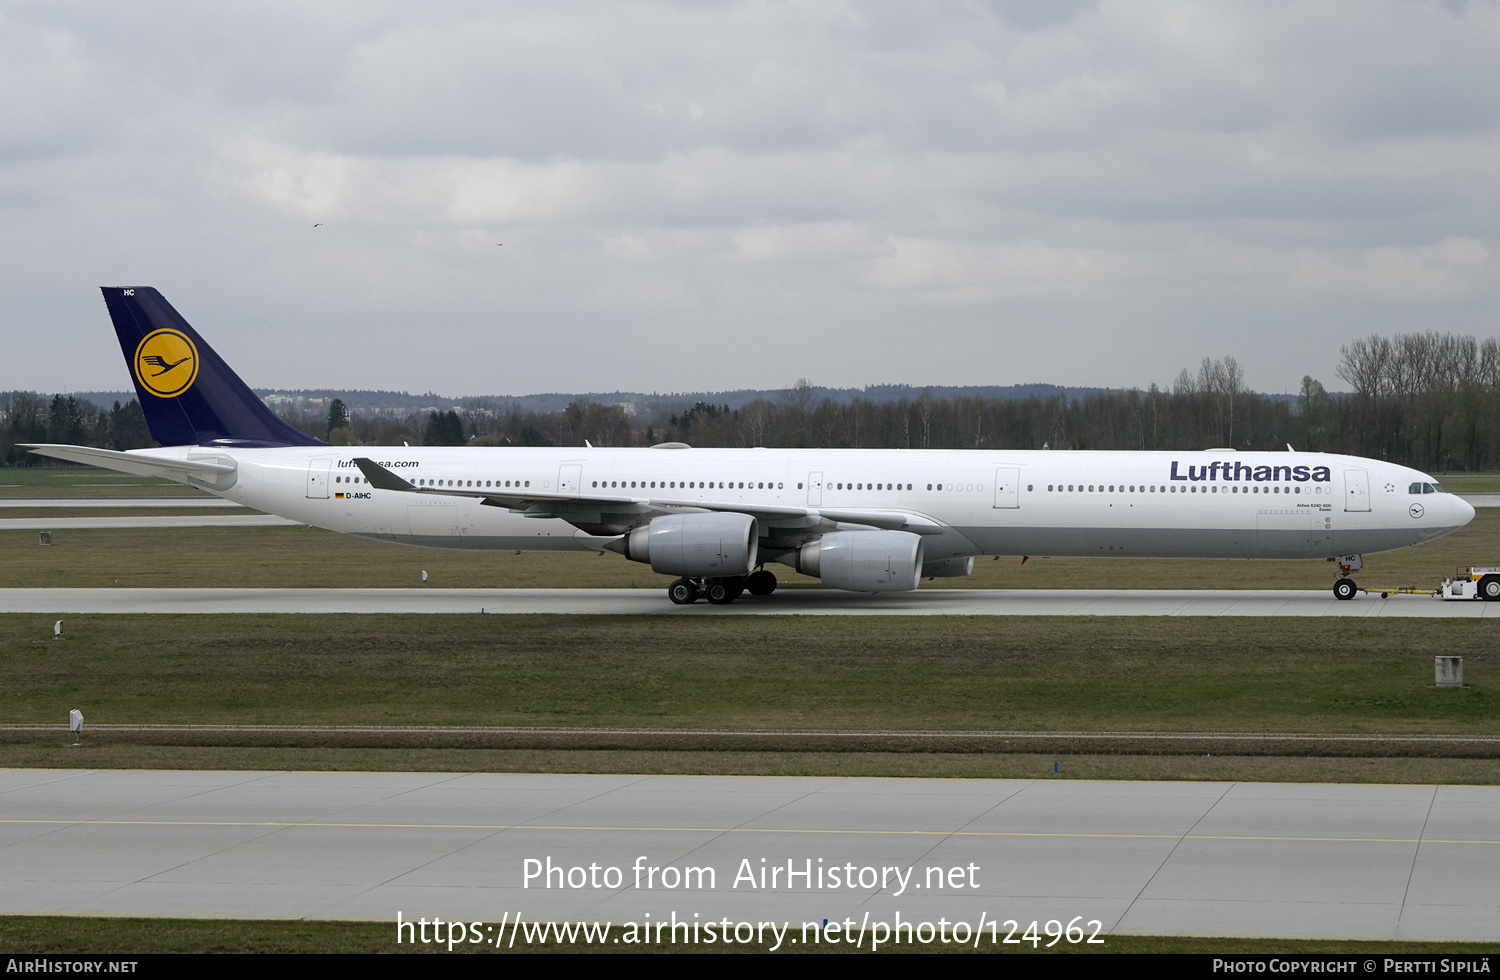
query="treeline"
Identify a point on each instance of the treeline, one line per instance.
(27, 417)
(1427, 400)
(1432, 399)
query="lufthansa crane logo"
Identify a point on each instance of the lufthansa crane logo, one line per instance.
(166, 363)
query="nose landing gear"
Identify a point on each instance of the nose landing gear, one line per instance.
(1343, 586)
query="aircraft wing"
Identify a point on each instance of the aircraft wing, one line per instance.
(566, 506)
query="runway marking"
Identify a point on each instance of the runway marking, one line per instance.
(734, 830)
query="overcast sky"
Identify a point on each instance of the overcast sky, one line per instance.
(706, 196)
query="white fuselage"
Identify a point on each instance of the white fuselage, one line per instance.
(1217, 504)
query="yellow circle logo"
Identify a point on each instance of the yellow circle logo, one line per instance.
(166, 363)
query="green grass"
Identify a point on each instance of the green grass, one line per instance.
(301, 557)
(86, 481)
(920, 673)
(40, 513)
(1457, 482)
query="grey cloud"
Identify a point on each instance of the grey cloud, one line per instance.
(1082, 192)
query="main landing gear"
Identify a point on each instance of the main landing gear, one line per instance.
(721, 591)
(1343, 586)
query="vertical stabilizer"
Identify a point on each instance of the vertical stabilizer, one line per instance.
(189, 395)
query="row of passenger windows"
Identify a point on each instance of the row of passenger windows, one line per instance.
(731, 485)
(665, 485)
(1122, 488)
(689, 485)
(472, 483)
(1053, 488)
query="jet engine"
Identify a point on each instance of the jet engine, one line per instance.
(694, 545)
(948, 568)
(864, 561)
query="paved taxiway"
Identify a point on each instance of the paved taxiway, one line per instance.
(1206, 858)
(822, 602)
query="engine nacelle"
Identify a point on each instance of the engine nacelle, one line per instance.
(948, 568)
(694, 545)
(864, 561)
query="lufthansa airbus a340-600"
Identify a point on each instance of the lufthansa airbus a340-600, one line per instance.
(859, 520)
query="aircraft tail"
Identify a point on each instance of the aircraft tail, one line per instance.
(189, 395)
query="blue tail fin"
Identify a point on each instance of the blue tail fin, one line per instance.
(189, 395)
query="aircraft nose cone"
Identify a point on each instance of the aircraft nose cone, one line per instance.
(1463, 511)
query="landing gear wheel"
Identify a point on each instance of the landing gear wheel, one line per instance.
(1489, 588)
(761, 583)
(682, 592)
(1344, 588)
(721, 591)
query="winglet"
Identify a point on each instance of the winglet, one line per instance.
(381, 478)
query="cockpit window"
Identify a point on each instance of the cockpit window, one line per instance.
(1439, 488)
(1414, 488)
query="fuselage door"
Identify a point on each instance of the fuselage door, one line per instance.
(569, 477)
(815, 489)
(317, 477)
(1007, 487)
(1356, 490)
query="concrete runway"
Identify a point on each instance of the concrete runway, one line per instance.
(1241, 859)
(818, 602)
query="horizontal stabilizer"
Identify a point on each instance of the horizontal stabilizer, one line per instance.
(136, 464)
